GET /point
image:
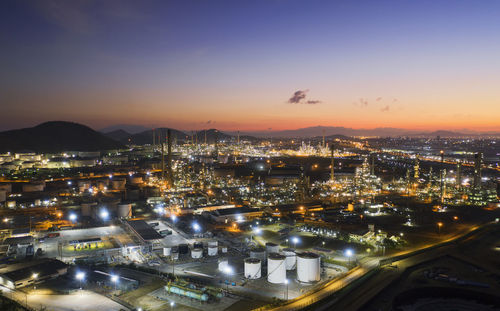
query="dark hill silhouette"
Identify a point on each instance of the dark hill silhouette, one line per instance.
(56, 136)
(118, 135)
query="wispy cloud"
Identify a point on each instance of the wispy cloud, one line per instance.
(386, 108)
(362, 102)
(299, 97)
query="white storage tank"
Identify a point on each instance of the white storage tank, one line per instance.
(213, 243)
(223, 264)
(276, 272)
(223, 249)
(212, 250)
(197, 253)
(272, 248)
(125, 210)
(291, 258)
(175, 256)
(308, 267)
(253, 268)
(259, 253)
(167, 251)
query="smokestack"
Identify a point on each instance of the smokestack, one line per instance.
(162, 159)
(169, 158)
(323, 144)
(153, 137)
(332, 176)
(478, 159)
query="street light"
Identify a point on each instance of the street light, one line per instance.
(196, 227)
(72, 217)
(104, 214)
(34, 276)
(114, 279)
(439, 224)
(228, 271)
(80, 276)
(348, 253)
(286, 283)
(295, 240)
(172, 305)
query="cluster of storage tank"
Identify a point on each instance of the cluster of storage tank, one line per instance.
(308, 264)
(196, 251)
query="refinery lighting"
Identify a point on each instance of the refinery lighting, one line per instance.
(196, 227)
(72, 217)
(104, 214)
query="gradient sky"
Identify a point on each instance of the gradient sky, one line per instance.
(236, 64)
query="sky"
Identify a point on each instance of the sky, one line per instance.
(251, 65)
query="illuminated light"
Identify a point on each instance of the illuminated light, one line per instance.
(72, 217)
(114, 278)
(196, 227)
(348, 252)
(80, 276)
(173, 217)
(104, 214)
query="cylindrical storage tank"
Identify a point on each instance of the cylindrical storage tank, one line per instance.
(212, 250)
(308, 267)
(167, 251)
(259, 253)
(175, 256)
(197, 253)
(183, 248)
(291, 258)
(87, 209)
(125, 210)
(198, 245)
(213, 243)
(253, 267)
(118, 183)
(136, 180)
(276, 271)
(223, 263)
(272, 248)
(223, 249)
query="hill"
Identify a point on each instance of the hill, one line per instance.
(56, 136)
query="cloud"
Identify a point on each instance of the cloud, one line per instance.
(378, 99)
(313, 102)
(385, 108)
(299, 97)
(395, 100)
(361, 103)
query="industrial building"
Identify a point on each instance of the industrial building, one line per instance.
(27, 273)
